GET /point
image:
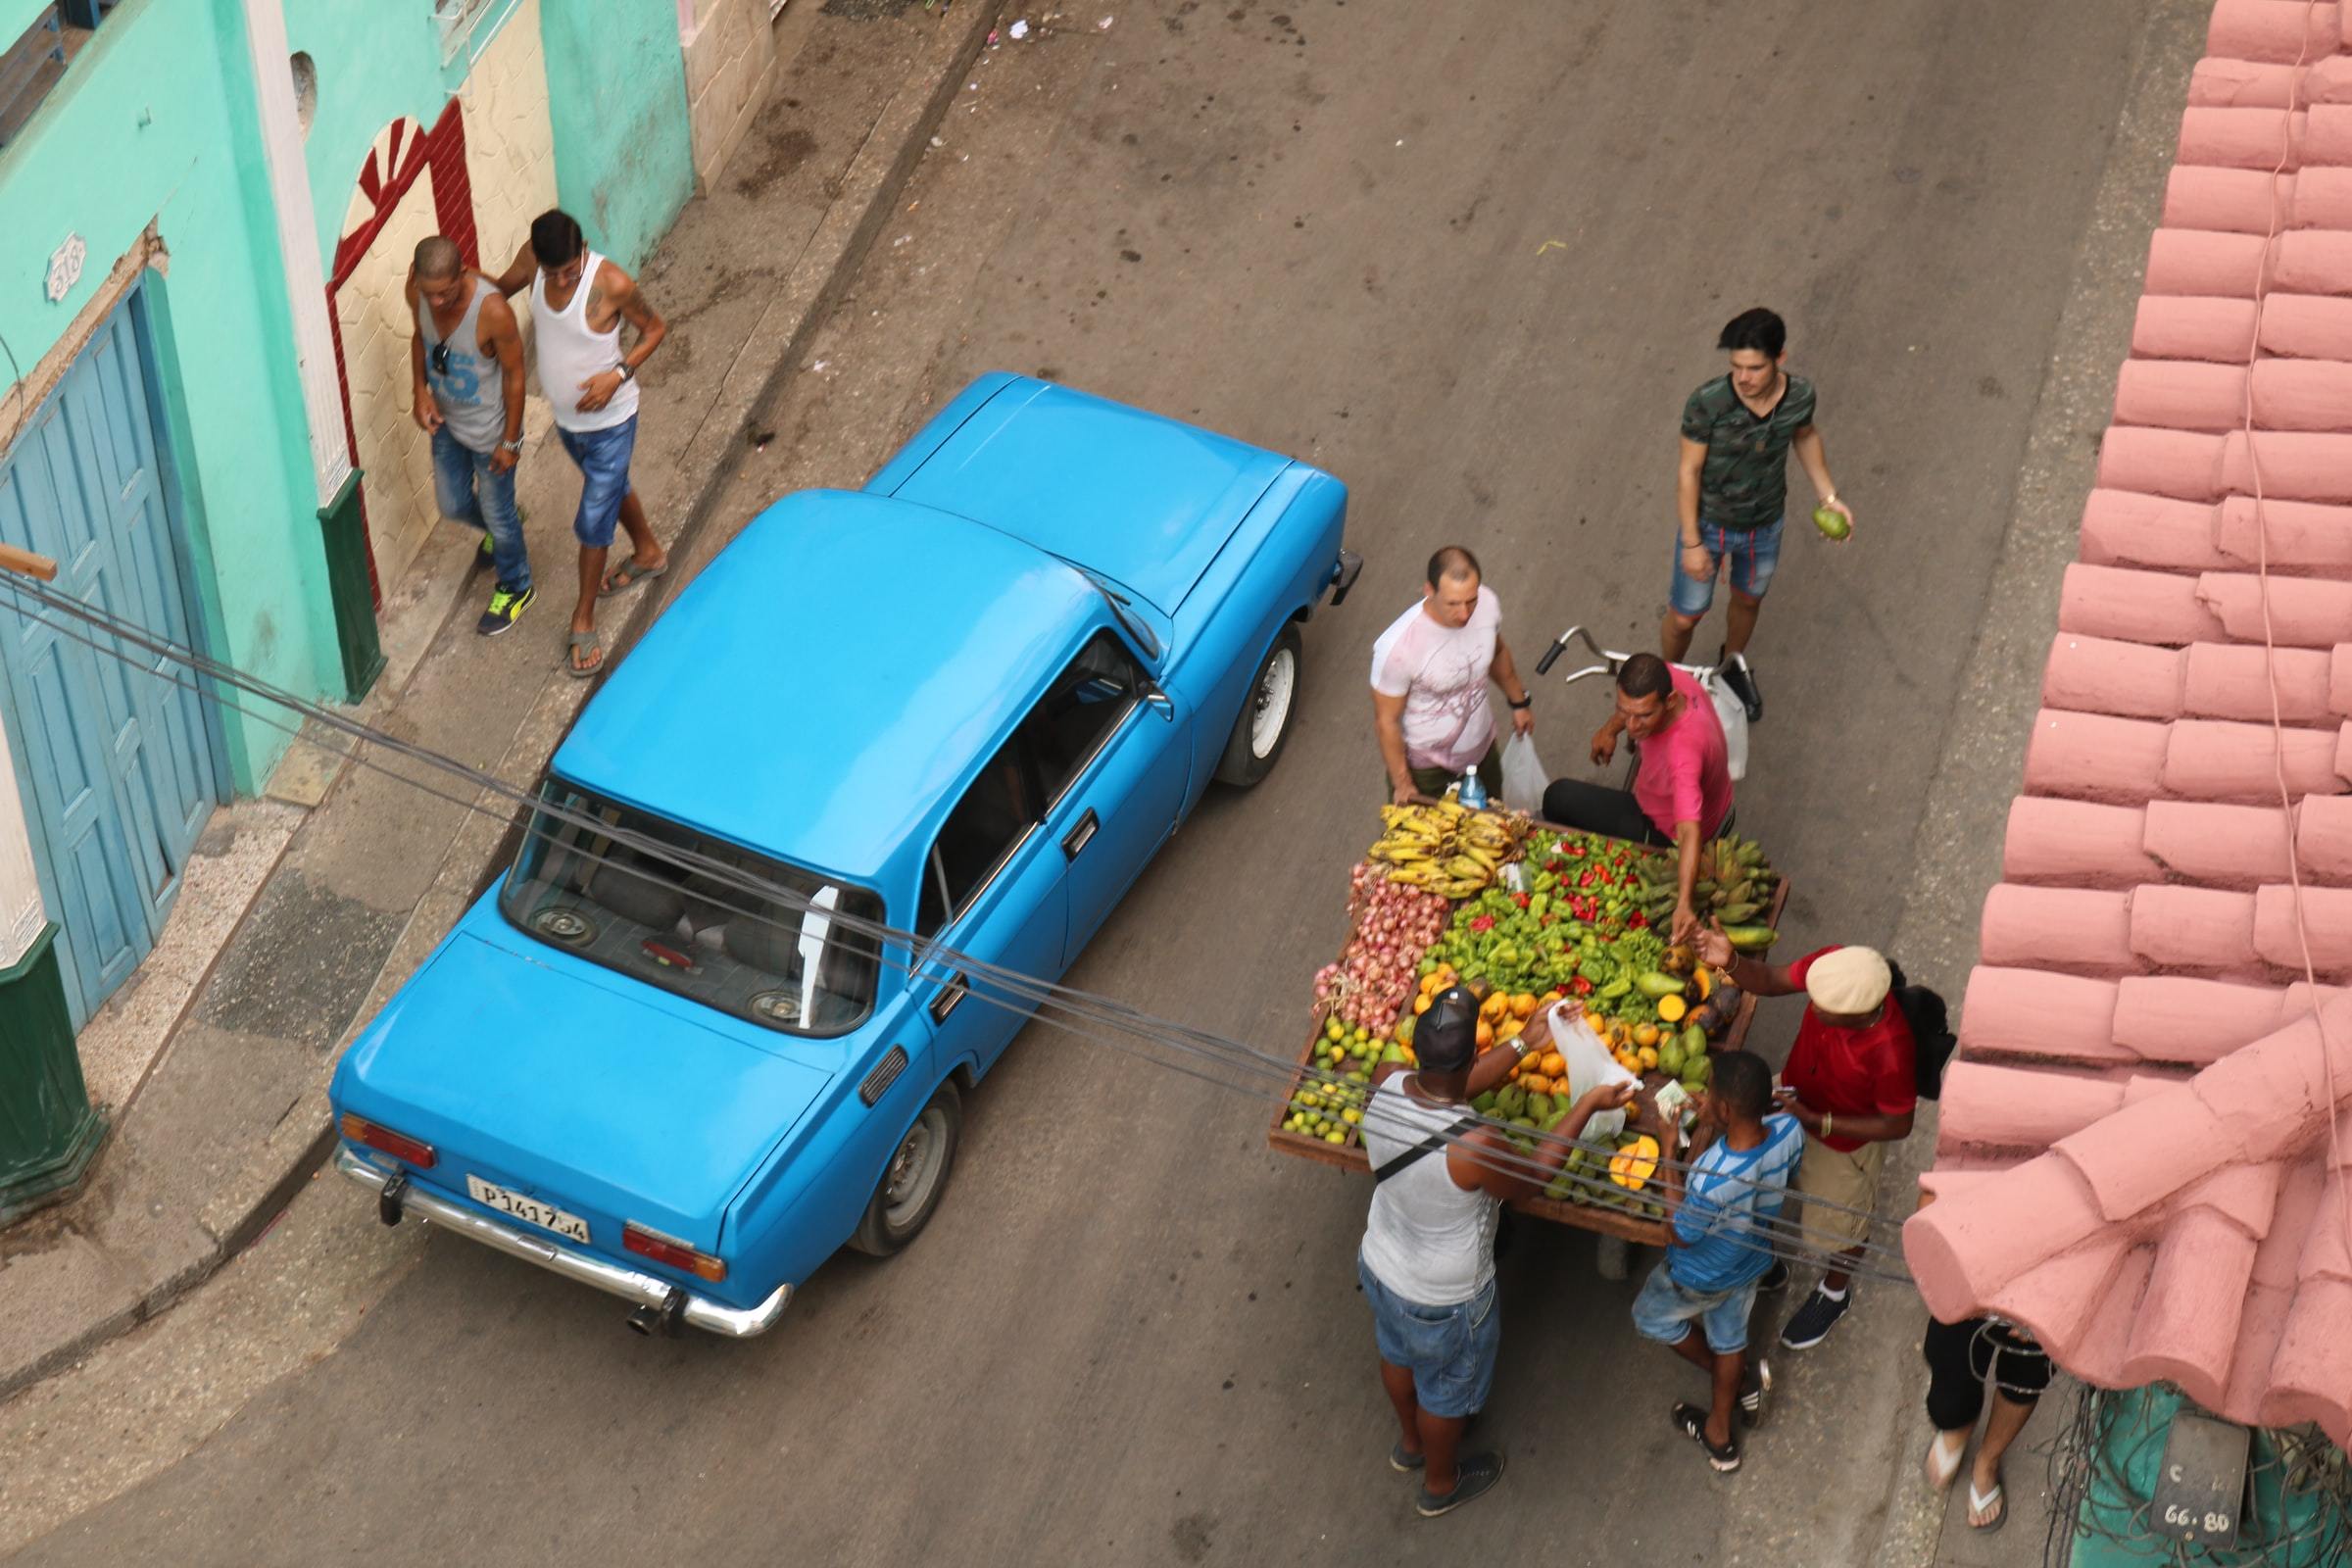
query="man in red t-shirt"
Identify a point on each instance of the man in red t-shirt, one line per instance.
(1850, 1083)
(1681, 791)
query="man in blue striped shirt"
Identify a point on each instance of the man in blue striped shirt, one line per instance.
(1724, 1217)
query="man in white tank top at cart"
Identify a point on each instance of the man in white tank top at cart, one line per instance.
(578, 301)
(467, 360)
(1439, 1176)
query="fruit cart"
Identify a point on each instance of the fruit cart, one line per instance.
(1347, 1152)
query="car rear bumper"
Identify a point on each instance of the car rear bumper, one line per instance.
(630, 1284)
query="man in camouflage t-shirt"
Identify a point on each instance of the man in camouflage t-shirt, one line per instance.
(1737, 431)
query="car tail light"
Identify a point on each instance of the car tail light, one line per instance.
(360, 1130)
(670, 1250)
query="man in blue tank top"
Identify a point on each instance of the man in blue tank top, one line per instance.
(467, 361)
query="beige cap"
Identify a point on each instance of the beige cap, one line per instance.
(1848, 981)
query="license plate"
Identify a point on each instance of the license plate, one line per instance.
(528, 1210)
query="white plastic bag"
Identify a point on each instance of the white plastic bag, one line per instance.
(1733, 715)
(1523, 775)
(1589, 1066)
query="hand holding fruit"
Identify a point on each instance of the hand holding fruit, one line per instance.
(1715, 949)
(1686, 923)
(1835, 518)
(1610, 1096)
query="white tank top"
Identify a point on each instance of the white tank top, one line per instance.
(1427, 1240)
(569, 354)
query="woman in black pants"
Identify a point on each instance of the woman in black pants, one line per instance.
(1962, 1358)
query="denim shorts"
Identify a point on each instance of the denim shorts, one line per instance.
(1664, 1311)
(604, 459)
(1449, 1349)
(1754, 552)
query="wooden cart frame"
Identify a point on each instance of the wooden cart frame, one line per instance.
(1350, 1156)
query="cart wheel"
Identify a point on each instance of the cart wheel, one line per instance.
(1265, 719)
(914, 1178)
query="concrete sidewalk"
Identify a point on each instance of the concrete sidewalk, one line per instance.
(231, 1116)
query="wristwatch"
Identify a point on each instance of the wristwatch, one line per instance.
(514, 447)
(1522, 704)
(628, 371)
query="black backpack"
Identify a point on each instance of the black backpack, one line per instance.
(1931, 1036)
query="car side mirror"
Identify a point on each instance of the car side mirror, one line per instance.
(1159, 699)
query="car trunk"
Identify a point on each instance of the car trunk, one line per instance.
(583, 1090)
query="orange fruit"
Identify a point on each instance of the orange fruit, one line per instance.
(1523, 1006)
(1486, 1034)
(1645, 1034)
(1650, 1057)
(1554, 1065)
(1536, 1084)
(1421, 1003)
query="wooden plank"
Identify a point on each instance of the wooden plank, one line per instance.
(1560, 1211)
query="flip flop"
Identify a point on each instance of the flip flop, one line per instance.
(627, 576)
(572, 665)
(1978, 1501)
(1941, 1476)
(1691, 1421)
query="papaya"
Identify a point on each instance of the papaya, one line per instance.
(1635, 1163)
(1655, 985)
(1671, 1010)
(1750, 938)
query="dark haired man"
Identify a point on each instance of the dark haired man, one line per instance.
(1429, 683)
(1427, 1264)
(466, 336)
(1732, 492)
(578, 301)
(1682, 790)
(1723, 1218)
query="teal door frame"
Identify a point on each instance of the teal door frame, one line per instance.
(161, 878)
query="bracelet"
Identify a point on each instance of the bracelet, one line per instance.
(628, 371)
(1826, 1118)
(1522, 704)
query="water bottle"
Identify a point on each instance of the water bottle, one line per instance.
(1473, 796)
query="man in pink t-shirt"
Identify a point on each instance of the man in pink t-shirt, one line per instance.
(1430, 671)
(1681, 791)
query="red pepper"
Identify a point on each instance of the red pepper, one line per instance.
(1549, 918)
(1639, 922)
(1520, 899)
(1574, 849)
(1580, 986)
(1585, 880)
(1483, 922)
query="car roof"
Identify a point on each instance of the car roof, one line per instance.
(1138, 497)
(822, 689)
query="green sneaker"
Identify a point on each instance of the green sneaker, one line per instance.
(506, 608)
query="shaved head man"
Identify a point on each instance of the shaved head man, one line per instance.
(467, 362)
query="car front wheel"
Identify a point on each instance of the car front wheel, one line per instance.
(1265, 721)
(914, 1178)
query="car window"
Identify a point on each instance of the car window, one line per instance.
(1080, 709)
(995, 815)
(781, 960)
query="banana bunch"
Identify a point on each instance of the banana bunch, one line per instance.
(1444, 848)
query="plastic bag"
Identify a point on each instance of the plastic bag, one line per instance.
(1523, 775)
(1733, 715)
(1589, 1066)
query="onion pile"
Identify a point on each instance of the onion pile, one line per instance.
(1378, 970)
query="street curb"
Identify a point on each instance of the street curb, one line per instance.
(878, 171)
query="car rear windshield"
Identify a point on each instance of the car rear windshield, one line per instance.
(671, 922)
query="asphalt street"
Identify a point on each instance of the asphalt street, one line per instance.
(1470, 257)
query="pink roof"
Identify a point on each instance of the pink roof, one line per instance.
(2134, 1158)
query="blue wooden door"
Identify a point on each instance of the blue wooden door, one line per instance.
(114, 754)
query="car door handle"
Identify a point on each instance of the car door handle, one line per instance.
(948, 996)
(1082, 835)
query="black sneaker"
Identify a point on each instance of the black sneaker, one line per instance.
(1773, 1279)
(1736, 673)
(506, 608)
(1756, 1392)
(1473, 1477)
(1812, 1321)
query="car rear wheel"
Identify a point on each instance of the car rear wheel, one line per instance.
(916, 1177)
(1264, 725)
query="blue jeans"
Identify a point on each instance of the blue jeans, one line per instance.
(1664, 1311)
(1449, 1350)
(604, 459)
(469, 491)
(1754, 552)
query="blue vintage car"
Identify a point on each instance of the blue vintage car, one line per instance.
(719, 1017)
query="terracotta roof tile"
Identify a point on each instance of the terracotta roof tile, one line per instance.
(2134, 1156)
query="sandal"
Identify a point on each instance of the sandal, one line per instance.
(1691, 1421)
(1940, 1475)
(1978, 1501)
(572, 662)
(627, 576)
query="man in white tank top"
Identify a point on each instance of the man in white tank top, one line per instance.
(578, 301)
(1426, 1264)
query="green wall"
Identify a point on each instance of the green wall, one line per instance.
(616, 98)
(153, 123)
